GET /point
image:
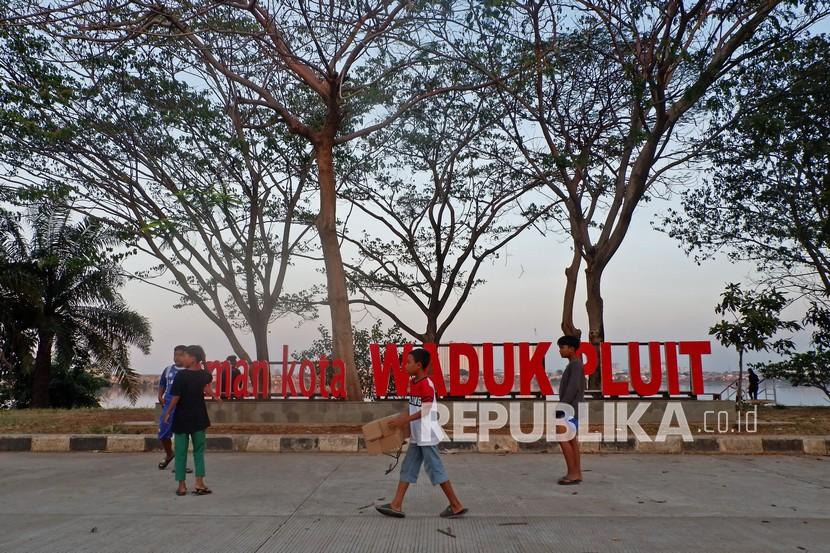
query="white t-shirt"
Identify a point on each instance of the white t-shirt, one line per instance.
(424, 430)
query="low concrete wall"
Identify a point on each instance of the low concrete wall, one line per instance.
(302, 411)
(360, 412)
(352, 443)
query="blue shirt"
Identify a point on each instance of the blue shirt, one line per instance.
(166, 380)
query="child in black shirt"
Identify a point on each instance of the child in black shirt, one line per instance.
(191, 419)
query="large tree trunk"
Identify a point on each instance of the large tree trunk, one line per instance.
(260, 331)
(571, 280)
(431, 334)
(338, 299)
(43, 370)
(596, 326)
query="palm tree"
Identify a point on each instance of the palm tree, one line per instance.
(63, 283)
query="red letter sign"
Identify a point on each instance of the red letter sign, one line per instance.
(390, 366)
(610, 387)
(695, 351)
(640, 386)
(533, 367)
(506, 385)
(458, 388)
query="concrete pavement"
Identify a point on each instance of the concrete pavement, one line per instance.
(91, 502)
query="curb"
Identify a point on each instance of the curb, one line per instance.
(353, 443)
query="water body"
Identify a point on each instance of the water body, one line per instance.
(785, 394)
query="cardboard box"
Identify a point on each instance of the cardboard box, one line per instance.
(387, 444)
(387, 430)
(372, 431)
(382, 438)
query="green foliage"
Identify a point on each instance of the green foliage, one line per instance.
(77, 386)
(754, 320)
(322, 347)
(181, 169)
(62, 285)
(811, 368)
(768, 199)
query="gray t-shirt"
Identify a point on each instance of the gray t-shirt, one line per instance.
(572, 385)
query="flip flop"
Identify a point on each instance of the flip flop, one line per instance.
(565, 481)
(163, 464)
(202, 491)
(448, 512)
(180, 493)
(386, 509)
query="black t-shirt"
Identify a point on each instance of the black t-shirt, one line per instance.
(191, 411)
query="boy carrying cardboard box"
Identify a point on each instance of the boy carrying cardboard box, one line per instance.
(382, 437)
(422, 420)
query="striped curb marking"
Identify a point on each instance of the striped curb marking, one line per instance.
(352, 443)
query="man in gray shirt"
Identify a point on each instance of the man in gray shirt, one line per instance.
(571, 391)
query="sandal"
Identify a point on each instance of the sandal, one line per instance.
(202, 491)
(180, 493)
(163, 464)
(386, 509)
(449, 513)
(565, 481)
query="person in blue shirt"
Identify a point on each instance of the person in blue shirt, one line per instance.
(165, 386)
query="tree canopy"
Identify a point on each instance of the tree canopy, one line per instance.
(768, 196)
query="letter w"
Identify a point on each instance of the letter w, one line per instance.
(382, 370)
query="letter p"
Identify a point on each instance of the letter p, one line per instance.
(487, 422)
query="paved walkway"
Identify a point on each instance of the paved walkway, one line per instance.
(322, 502)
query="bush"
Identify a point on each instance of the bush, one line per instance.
(77, 386)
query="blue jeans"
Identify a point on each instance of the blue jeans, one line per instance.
(427, 455)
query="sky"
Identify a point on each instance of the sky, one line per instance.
(652, 291)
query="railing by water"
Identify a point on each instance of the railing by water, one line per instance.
(766, 391)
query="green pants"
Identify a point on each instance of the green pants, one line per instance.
(198, 453)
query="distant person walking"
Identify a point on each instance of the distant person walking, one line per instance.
(571, 391)
(168, 376)
(191, 418)
(753, 385)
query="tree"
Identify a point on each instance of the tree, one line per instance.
(17, 337)
(609, 108)
(811, 368)
(170, 160)
(446, 198)
(752, 325)
(322, 347)
(78, 385)
(65, 281)
(329, 72)
(768, 200)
